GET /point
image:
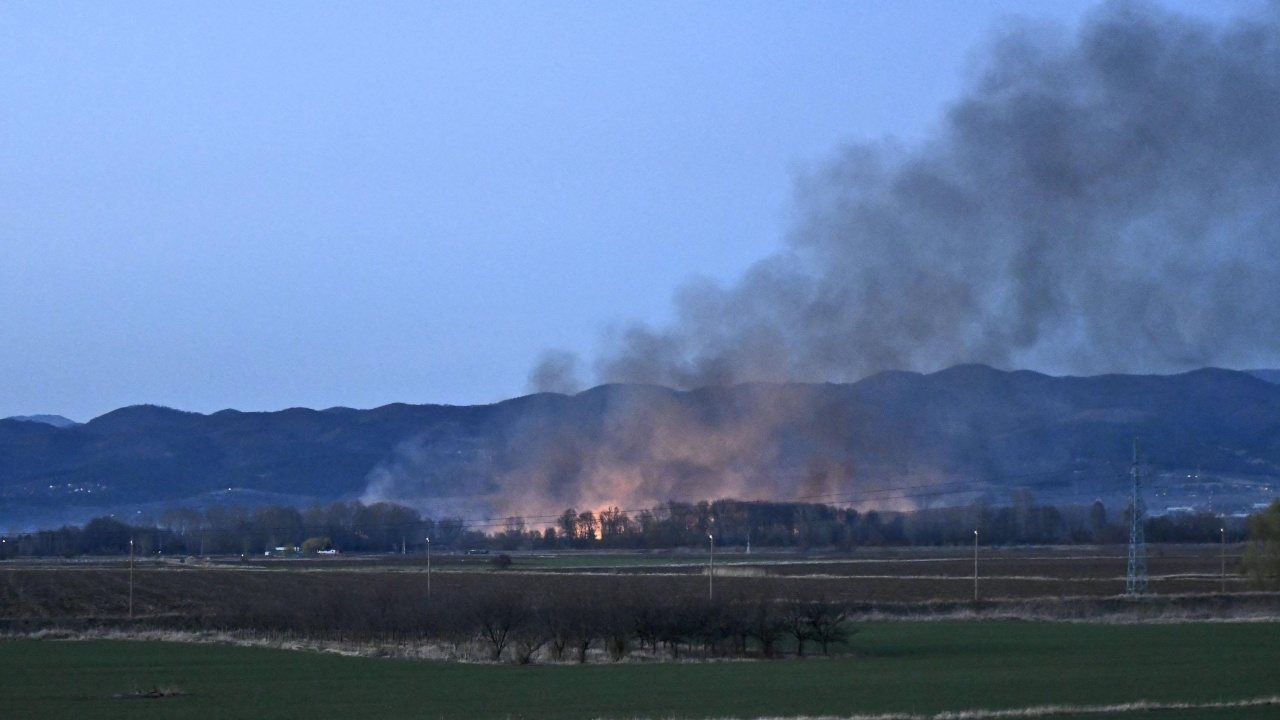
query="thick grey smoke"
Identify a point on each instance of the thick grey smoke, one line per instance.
(1108, 202)
(1101, 202)
(640, 446)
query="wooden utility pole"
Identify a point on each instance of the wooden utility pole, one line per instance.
(975, 566)
(130, 578)
(1224, 558)
(711, 570)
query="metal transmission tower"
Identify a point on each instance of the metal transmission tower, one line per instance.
(1136, 582)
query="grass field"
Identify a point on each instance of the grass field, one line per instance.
(918, 668)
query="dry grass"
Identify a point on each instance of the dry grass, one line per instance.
(466, 653)
(1044, 711)
(474, 653)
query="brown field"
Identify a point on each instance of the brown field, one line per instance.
(203, 589)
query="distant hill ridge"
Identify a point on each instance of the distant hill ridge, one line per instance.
(1271, 376)
(968, 422)
(54, 420)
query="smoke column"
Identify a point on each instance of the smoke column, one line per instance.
(638, 447)
(1103, 202)
(1108, 202)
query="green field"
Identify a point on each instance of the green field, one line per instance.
(895, 667)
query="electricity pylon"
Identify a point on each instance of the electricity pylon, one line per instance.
(1136, 582)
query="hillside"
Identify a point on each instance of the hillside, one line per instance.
(54, 420)
(1212, 436)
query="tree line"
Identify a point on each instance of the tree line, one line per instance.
(354, 527)
(504, 625)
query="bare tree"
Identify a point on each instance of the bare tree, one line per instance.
(617, 626)
(827, 624)
(734, 625)
(529, 637)
(498, 617)
(587, 525)
(648, 623)
(570, 624)
(766, 626)
(794, 621)
(568, 524)
(585, 633)
(559, 622)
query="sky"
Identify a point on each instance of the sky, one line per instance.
(260, 206)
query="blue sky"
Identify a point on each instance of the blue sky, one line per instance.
(270, 205)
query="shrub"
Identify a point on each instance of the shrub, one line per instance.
(1263, 556)
(315, 544)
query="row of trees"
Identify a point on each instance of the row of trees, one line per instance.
(505, 625)
(1262, 559)
(386, 527)
(344, 526)
(809, 525)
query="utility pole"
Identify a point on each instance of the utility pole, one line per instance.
(428, 568)
(1136, 580)
(711, 569)
(1224, 558)
(975, 566)
(130, 578)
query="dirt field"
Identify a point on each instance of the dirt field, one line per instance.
(194, 587)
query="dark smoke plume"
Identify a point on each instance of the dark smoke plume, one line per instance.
(1108, 202)
(1103, 202)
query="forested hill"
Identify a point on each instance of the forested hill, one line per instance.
(966, 423)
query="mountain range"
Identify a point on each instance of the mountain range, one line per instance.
(54, 420)
(1209, 438)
